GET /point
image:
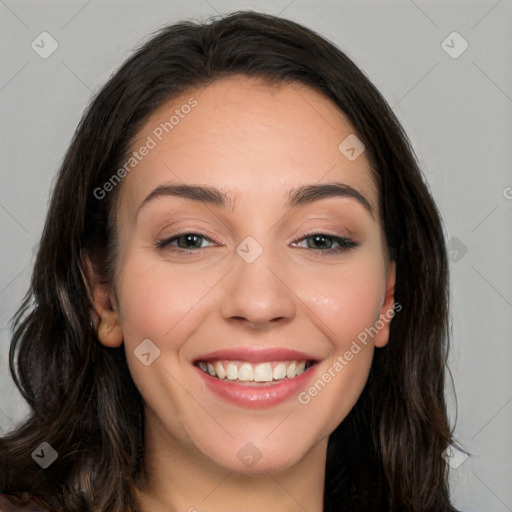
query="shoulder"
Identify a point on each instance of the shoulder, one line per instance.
(11, 503)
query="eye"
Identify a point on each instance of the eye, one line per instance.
(324, 243)
(184, 242)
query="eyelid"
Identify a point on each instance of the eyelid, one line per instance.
(320, 231)
(326, 232)
(203, 232)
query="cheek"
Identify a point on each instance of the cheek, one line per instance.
(347, 310)
(155, 300)
(346, 300)
(161, 304)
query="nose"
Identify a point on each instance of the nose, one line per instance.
(258, 294)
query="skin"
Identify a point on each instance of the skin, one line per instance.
(254, 141)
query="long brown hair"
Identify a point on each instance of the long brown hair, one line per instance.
(386, 455)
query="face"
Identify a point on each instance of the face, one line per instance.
(282, 293)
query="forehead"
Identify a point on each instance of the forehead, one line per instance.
(246, 137)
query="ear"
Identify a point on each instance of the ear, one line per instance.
(108, 325)
(387, 311)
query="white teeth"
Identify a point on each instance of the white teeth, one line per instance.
(263, 373)
(219, 369)
(301, 367)
(279, 371)
(290, 371)
(247, 372)
(232, 371)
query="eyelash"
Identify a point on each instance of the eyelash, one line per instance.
(344, 243)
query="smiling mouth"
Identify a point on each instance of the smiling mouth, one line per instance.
(243, 372)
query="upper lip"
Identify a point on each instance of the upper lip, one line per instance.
(256, 355)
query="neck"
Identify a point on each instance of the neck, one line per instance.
(178, 478)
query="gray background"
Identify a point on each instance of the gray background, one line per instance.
(457, 112)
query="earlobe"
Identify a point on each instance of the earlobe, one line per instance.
(108, 325)
(387, 311)
(110, 332)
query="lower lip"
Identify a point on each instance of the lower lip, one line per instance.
(257, 396)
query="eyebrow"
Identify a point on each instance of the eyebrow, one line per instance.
(301, 196)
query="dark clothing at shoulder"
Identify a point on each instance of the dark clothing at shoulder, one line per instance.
(12, 503)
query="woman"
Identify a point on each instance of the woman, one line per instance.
(240, 297)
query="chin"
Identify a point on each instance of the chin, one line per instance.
(259, 457)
